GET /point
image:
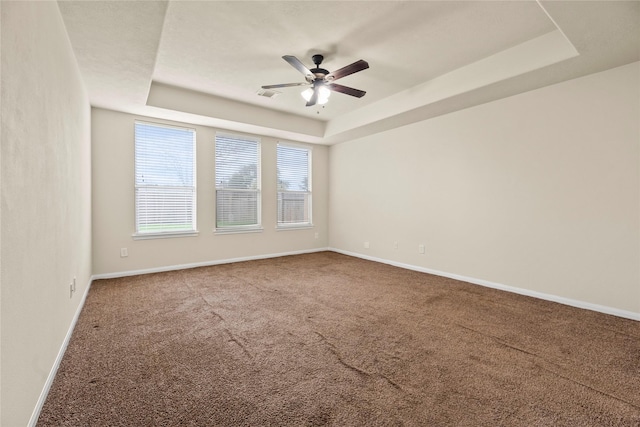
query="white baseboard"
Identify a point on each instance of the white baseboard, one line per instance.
(203, 264)
(549, 297)
(56, 364)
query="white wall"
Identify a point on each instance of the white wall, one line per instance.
(540, 191)
(46, 200)
(114, 211)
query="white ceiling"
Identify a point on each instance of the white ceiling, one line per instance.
(203, 62)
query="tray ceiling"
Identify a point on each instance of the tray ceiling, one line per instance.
(204, 62)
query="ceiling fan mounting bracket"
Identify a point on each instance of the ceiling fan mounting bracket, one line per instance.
(318, 72)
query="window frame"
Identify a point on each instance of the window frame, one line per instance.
(280, 226)
(249, 228)
(166, 233)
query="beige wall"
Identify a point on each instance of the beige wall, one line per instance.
(540, 191)
(114, 212)
(46, 200)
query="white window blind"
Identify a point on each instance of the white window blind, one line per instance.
(294, 186)
(165, 185)
(237, 183)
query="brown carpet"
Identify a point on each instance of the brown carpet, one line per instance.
(327, 339)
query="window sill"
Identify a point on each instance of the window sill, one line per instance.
(294, 227)
(164, 235)
(237, 230)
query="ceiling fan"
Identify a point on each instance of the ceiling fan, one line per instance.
(322, 80)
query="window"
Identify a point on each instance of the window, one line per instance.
(294, 186)
(165, 184)
(237, 183)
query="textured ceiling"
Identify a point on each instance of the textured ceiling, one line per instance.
(404, 43)
(203, 62)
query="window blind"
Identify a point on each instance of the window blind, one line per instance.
(165, 187)
(294, 185)
(237, 182)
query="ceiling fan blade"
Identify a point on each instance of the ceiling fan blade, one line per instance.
(284, 85)
(314, 98)
(349, 69)
(346, 90)
(295, 63)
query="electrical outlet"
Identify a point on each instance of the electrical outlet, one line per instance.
(366, 245)
(421, 248)
(395, 245)
(317, 235)
(124, 252)
(71, 290)
(74, 284)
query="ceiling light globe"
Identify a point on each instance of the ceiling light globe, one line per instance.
(323, 94)
(306, 94)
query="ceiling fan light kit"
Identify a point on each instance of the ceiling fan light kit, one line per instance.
(322, 80)
(323, 94)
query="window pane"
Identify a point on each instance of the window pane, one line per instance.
(165, 190)
(293, 168)
(164, 209)
(164, 156)
(236, 208)
(294, 185)
(237, 181)
(293, 208)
